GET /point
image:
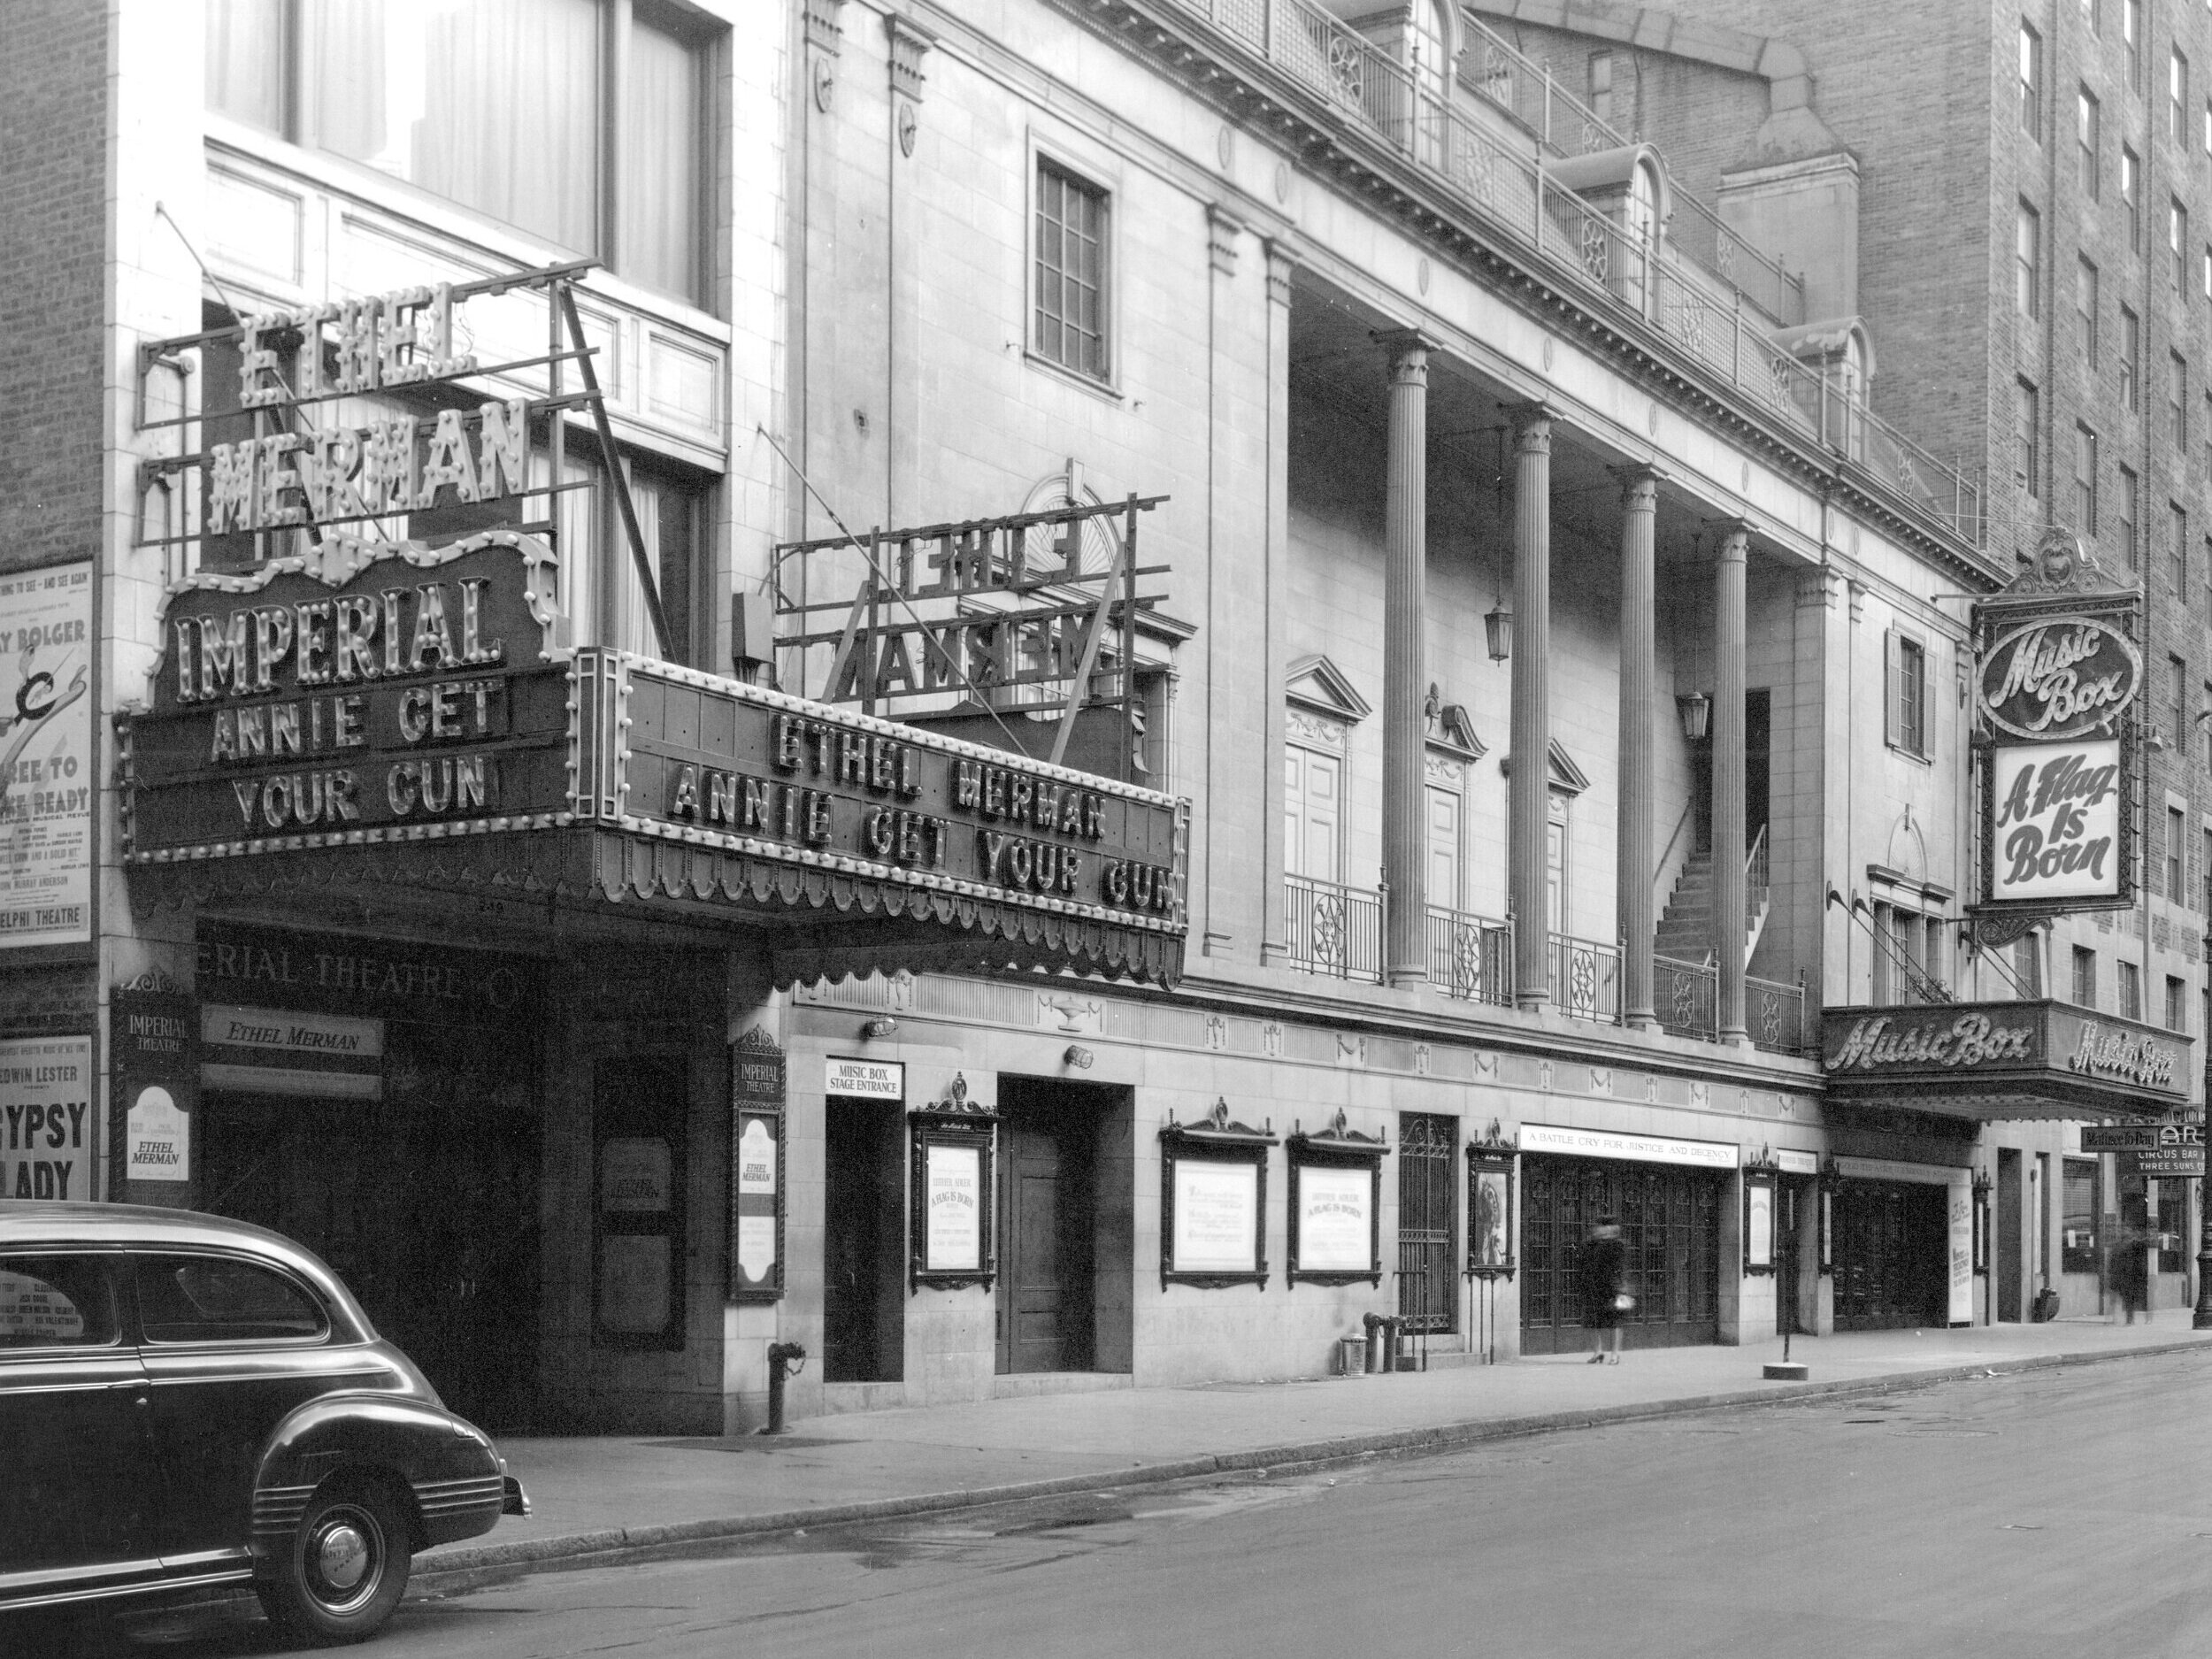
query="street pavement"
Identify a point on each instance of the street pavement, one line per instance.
(2011, 1511)
(593, 1495)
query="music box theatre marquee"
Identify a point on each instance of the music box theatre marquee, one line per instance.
(340, 703)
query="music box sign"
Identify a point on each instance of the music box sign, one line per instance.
(2056, 686)
(352, 697)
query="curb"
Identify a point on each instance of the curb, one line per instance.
(455, 1570)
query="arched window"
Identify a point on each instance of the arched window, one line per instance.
(1641, 221)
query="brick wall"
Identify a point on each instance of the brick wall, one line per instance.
(53, 232)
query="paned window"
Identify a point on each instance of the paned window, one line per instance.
(2088, 136)
(2131, 360)
(2031, 83)
(2177, 96)
(2084, 480)
(1072, 249)
(2027, 255)
(2085, 308)
(2084, 977)
(2131, 508)
(2026, 425)
(1602, 86)
(506, 107)
(1908, 699)
(2027, 965)
(2177, 708)
(2204, 847)
(2130, 978)
(2132, 42)
(2131, 195)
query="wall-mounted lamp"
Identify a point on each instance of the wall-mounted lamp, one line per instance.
(1077, 1057)
(882, 1025)
(1696, 710)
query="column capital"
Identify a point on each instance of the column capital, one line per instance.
(1282, 264)
(1223, 228)
(1640, 483)
(1734, 539)
(1532, 425)
(1407, 350)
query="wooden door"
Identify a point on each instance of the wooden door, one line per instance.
(1046, 1288)
(1312, 806)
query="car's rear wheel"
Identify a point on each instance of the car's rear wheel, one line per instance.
(344, 1569)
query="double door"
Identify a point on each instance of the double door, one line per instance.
(1891, 1255)
(1669, 1222)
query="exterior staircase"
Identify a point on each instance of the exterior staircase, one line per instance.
(1685, 930)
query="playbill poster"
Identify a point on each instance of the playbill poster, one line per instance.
(46, 756)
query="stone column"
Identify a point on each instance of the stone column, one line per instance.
(1728, 781)
(1640, 503)
(1405, 664)
(1275, 921)
(1529, 789)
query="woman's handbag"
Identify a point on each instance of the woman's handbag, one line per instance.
(1624, 1303)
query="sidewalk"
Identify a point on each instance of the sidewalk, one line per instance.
(606, 1497)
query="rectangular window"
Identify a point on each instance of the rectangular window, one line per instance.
(2132, 42)
(2084, 480)
(2077, 1212)
(2177, 97)
(2130, 503)
(2027, 255)
(2131, 360)
(2177, 564)
(2085, 308)
(2176, 708)
(2131, 983)
(2027, 966)
(2084, 977)
(2031, 83)
(2088, 136)
(2178, 242)
(1071, 250)
(2204, 850)
(2026, 425)
(1602, 86)
(1908, 699)
(505, 107)
(2131, 195)
(2093, 16)
(2177, 833)
(2177, 398)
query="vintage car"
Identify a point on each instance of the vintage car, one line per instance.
(188, 1401)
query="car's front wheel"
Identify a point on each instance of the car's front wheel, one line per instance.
(344, 1569)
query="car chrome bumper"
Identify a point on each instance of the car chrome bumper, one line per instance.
(517, 1500)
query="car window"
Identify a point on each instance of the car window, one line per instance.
(220, 1299)
(54, 1302)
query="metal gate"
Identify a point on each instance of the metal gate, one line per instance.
(1427, 1147)
(1670, 1224)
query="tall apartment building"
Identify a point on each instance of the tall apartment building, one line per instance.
(2027, 190)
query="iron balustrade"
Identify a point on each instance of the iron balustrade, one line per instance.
(1585, 978)
(1712, 293)
(1334, 929)
(1687, 996)
(1470, 957)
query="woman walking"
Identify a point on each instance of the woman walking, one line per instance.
(1600, 1270)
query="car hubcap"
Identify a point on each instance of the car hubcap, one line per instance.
(343, 1556)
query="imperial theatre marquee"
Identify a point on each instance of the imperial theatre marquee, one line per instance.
(329, 713)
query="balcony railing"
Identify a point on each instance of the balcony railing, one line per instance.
(1710, 292)
(1470, 957)
(1585, 978)
(1687, 999)
(1333, 929)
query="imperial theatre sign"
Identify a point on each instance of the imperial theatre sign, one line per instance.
(2058, 682)
(339, 704)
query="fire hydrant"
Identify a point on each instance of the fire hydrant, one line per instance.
(783, 1358)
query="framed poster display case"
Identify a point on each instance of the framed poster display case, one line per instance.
(954, 1236)
(1760, 1179)
(1490, 1229)
(1213, 1201)
(1335, 1206)
(756, 1265)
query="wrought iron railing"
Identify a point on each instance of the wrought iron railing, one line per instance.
(1333, 929)
(1470, 957)
(1585, 978)
(1712, 293)
(1686, 999)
